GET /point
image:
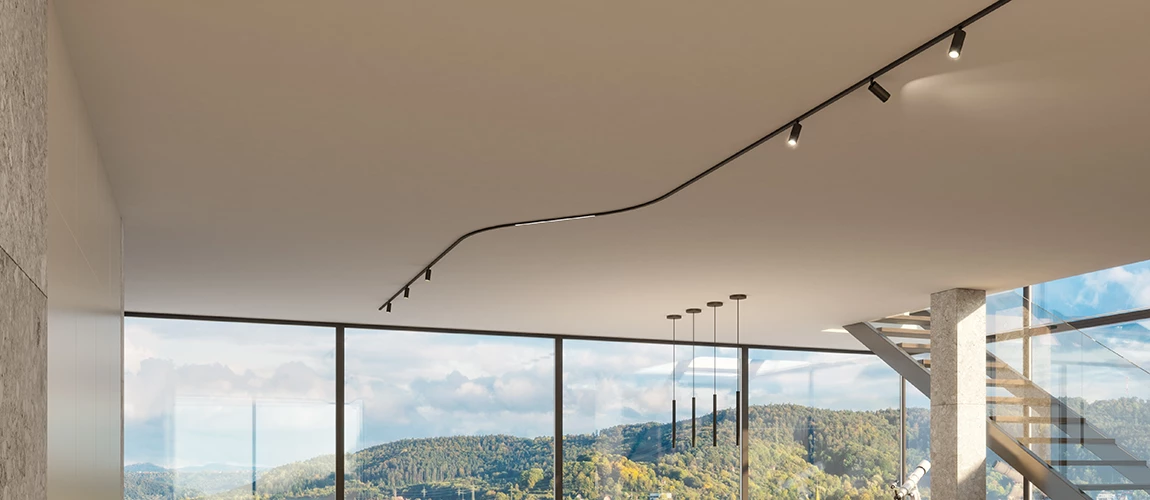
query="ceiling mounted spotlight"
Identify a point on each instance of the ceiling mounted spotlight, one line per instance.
(407, 292)
(956, 44)
(793, 140)
(955, 32)
(878, 91)
(387, 306)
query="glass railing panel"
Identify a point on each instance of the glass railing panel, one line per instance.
(1005, 313)
(1074, 401)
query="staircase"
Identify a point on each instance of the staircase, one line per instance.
(1038, 434)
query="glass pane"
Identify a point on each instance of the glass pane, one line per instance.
(1130, 340)
(448, 416)
(617, 421)
(917, 434)
(1002, 481)
(1004, 311)
(823, 425)
(211, 409)
(1099, 293)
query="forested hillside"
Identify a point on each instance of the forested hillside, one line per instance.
(795, 452)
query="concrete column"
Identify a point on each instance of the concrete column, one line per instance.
(958, 394)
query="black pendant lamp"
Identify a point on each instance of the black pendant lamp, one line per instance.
(693, 311)
(738, 298)
(715, 371)
(674, 381)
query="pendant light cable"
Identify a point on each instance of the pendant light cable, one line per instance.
(674, 380)
(714, 371)
(738, 298)
(694, 413)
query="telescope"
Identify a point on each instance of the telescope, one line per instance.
(909, 488)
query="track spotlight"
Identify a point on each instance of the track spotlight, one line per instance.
(793, 140)
(407, 292)
(957, 34)
(956, 44)
(878, 91)
(388, 306)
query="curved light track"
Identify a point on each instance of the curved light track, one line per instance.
(858, 85)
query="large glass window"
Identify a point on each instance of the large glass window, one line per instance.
(822, 425)
(1099, 293)
(218, 411)
(917, 434)
(448, 416)
(228, 410)
(617, 421)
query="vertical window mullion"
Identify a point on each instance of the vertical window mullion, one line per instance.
(340, 452)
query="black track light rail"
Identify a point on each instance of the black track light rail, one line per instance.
(865, 82)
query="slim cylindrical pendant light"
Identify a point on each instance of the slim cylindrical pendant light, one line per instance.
(674, 381)
(715, 371)
(738, 298)
(693, 311)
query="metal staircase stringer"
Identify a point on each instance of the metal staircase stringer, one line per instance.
(1034, 469)
(892, 355)
(1006, 447)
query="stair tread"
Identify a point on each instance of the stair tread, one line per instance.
(1099, 463)
(1018, 419)
(1007, 382)
(1065, 440)
(904, 332)
(989, 364)
(914, 347)
(1010, 400)
(1113, 487)
(907, 319)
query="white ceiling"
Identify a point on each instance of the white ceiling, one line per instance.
(302, 160)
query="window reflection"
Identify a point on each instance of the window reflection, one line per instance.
(226, 410)
(617, 421)
(822, 425)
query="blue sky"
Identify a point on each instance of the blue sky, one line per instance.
(190, 386)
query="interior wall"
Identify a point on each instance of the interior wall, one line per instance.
(23, 243)
(85, 310)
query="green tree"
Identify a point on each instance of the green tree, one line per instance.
(530, 477)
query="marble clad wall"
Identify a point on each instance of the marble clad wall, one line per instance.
(23, 250)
